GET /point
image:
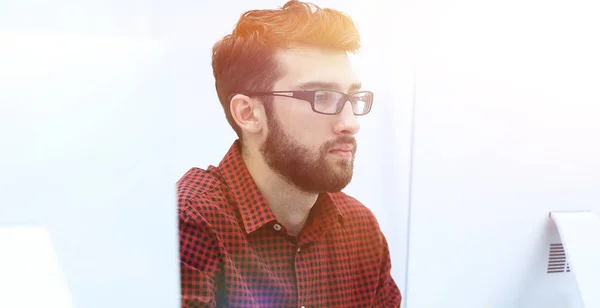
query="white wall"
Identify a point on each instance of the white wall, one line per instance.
(506, 130)
(87, 147)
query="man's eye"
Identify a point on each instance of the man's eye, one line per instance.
(322, 96)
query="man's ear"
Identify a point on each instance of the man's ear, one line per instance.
(247, 113)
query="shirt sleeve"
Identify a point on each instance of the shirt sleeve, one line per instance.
(199, 261)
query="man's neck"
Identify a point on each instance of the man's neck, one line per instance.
(290, 205)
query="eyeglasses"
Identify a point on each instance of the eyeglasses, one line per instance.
(328, 102)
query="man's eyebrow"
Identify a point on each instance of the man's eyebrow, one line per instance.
(355, 87)
(313, 85)
(320, 85)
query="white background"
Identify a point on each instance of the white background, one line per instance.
(506, 130)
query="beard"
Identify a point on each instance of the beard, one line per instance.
(311, 171)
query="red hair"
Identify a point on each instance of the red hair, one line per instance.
(245, 59)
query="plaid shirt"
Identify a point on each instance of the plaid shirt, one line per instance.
(234, 253)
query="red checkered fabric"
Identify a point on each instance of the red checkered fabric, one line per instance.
(234, 253)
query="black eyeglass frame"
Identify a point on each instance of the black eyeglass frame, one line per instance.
(309, 96)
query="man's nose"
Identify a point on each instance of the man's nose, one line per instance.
(347, 122)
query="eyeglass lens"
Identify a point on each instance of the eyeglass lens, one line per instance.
(332, 102)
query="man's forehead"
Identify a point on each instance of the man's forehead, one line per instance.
(311, 68)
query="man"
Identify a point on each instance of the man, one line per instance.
(269, 226)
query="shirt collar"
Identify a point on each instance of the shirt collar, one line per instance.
(253, 207)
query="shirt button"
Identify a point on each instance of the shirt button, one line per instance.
(277, 227)
(302, 307)
(299, 251)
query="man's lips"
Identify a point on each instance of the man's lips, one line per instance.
(343, 154)
(343, 148)
(346, 151)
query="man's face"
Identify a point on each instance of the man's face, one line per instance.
(313, 151)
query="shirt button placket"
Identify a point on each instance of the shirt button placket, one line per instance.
(300, 278)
